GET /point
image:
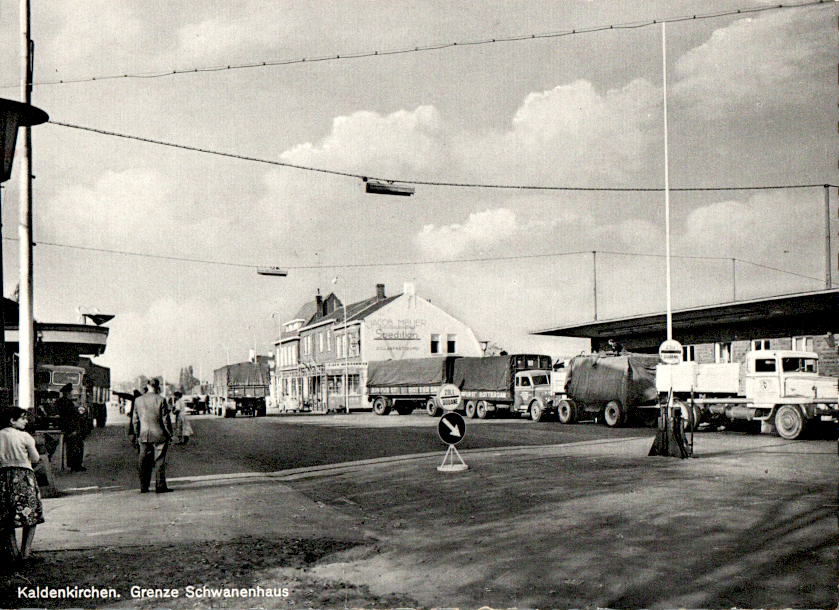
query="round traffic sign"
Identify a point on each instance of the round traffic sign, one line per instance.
(451, 428)
(448, 397)
(670, 352)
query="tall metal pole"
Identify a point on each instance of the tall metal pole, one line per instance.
(26, 349)
(346, 361)
(5, 390)
(594, 278)
(666, 180)
(828, 280)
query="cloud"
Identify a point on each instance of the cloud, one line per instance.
(775, 59)
(481, 229)
(571, 134)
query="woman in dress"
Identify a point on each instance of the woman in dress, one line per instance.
(182, 427)
(20, 498)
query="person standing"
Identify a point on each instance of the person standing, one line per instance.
(151, 427)
(183, 429)
(20, 498)
(74, 423)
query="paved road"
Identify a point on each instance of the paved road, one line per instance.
(267, 444)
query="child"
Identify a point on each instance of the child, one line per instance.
(20, 498)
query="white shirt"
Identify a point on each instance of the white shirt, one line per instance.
(17, 448)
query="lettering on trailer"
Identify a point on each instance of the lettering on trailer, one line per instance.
(451, 428)
(448, 397)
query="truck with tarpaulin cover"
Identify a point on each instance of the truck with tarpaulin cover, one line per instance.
(518, 383)
(403, 385)
(241, 388)
(613, 387)
(512, 383)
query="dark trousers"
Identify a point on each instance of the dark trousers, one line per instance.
(153, 459)
(74, 444)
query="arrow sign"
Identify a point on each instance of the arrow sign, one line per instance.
(452, 428)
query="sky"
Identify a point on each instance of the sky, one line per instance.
(751, 101)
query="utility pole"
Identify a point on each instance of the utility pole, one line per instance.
(594, 276)
(26, 323)
(828, 280)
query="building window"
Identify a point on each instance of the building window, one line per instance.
(451, 344)
(320, 342)
(689, 353)
(760, 344)
(354, 346)
(329, 340)
(802, 344)
(435, 344)
(722, 352)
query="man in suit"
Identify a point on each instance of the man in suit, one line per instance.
(151, 426)
(74, 423)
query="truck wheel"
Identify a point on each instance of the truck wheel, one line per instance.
(431, 408)
(380, 406)
(614, 414)
(481, 409)
(404, 409)
(789, 422)
(537, 413)
(470, 409)
(567, 411)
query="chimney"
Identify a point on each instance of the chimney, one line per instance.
(380, 292)
(319, 302)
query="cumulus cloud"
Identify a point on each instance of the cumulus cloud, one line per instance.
(481, 229)
(570, 134)
(760, 62)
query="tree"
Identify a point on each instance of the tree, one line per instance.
(187, 379)
(493, 349)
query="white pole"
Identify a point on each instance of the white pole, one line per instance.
(666, 181)
(346, 362)
(26, 324)
(828, 280)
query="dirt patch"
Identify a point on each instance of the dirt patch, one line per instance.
(244, 563)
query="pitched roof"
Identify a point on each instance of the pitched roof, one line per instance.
(355, 311)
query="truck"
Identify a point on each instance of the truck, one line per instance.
(779, 390)
(241, 388)
(97, 390)
(610, 387)
(514, 383)
(403, 385)
(517, 383)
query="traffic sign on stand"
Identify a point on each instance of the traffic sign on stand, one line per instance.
(452, 429)
(448, 397)
(670, 352)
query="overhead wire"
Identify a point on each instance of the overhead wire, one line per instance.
(431, 47)
(440, 183)
(440, 261)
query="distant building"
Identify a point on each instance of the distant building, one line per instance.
(323, 347)
(724, 333)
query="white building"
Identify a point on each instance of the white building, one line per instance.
(325, 348)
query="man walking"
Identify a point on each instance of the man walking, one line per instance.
(151, 426)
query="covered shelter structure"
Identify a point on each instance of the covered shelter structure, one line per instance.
(724, 332)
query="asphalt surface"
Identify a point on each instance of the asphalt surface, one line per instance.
(547, 516)
(273, 443)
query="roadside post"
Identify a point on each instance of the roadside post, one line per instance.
(452, 429)
(669, 439)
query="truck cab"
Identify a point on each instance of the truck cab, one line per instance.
(532, 393)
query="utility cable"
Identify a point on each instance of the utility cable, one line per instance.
(430, 182)
(433, 46)
(448, 261)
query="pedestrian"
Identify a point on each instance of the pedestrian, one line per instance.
(183, 429)
(73, 421)
(151, 427)
(20, 498)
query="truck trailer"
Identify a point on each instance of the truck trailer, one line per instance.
(613, 387)
(241, 388)
(517, 383)
(776, 390)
